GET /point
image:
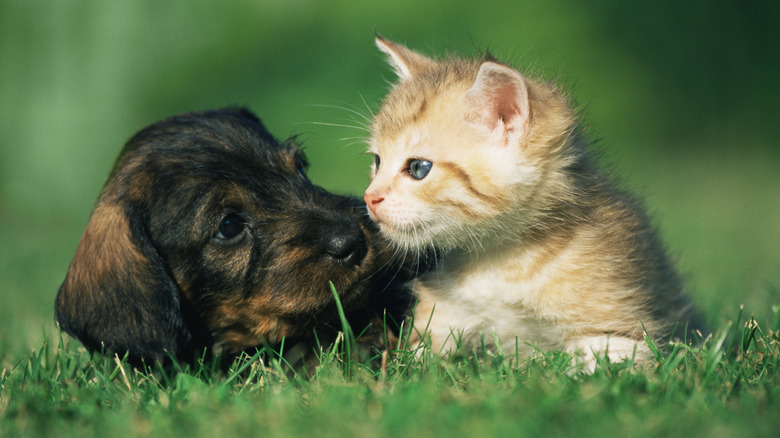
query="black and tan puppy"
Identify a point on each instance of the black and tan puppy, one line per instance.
(209, 234)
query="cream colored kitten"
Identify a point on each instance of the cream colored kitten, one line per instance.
(533, 245)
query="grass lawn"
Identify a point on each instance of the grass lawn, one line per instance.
(728, 387)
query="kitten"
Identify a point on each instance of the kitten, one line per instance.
(533, 246)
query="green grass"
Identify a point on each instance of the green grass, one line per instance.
(728, 386)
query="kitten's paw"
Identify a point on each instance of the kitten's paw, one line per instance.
(589, 351)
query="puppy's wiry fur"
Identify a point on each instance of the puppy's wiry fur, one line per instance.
(209, 234)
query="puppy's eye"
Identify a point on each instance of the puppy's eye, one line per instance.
(231, 226)
(419, 168)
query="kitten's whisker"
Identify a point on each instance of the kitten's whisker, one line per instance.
(356, 142)
(478, 242)
(362, 119)
(364, 139)
(350, 110)
(335, 125)
(367, 108)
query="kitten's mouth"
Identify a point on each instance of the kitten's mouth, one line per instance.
(409, 234)
(406, 236)
(386, 227)
(389, 228)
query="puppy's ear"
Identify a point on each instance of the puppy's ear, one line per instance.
(118, 293)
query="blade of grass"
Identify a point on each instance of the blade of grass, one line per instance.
(735, 327)
(652, 346)
(715, 354)
(749, 333)
(349, 338)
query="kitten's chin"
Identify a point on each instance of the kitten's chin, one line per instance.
(409, 238)
(441, 238)
(420, 238)
(438, 233)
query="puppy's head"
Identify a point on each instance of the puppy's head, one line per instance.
(208, 233)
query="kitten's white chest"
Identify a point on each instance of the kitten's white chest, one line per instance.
(485, 305)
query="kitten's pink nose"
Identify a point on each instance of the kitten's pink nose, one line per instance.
(372, 201)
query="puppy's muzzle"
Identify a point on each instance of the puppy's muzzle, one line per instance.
(343, 241)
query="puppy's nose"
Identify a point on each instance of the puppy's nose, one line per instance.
(344, 241)
(372, 201)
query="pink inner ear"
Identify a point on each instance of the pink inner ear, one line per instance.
(505, 105)
(499, 99)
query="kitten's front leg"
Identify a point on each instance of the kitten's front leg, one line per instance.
(589, 349)
(436, 324)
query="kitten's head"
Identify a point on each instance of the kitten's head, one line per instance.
(460, 147)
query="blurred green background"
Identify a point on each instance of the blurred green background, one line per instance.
(681, 95)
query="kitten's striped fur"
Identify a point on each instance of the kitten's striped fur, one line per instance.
(533, 243)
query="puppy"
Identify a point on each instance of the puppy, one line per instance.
(209, 234)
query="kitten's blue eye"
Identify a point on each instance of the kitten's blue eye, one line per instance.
(419, 168)
(376, 162)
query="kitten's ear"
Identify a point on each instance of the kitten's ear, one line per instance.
(498, 101)
(405, 62)
(118, 293)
